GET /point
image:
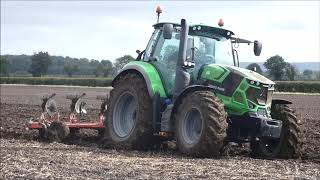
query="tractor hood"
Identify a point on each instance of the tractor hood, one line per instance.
(248, 74)
(221, 72)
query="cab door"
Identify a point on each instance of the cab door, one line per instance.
(164, 57)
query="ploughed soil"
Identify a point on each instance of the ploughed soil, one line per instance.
(23, 156)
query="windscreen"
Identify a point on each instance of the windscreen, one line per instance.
(209, 50)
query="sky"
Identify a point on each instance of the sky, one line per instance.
(110, 29)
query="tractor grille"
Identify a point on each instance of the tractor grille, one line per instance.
(260, 96)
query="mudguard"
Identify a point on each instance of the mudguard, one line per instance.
(280, 101)
(148, 72)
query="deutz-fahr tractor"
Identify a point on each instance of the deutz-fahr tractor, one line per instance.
(187, 86)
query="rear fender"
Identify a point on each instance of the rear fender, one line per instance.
(280, 101)
(148, 72)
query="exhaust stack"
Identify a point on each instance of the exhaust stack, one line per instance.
(182, 76)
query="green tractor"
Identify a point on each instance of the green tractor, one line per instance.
(187, 86)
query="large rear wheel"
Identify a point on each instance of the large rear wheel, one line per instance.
(129, 114)
(201, 124)
(288, 145)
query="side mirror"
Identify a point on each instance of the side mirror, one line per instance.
(257, 47)
(167, 31)
(138, 51)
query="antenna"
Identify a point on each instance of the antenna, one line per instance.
(158, 11)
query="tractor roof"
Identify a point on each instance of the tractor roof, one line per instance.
(200, 29)
(159, 25)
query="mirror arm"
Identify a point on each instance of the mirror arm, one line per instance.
(239, 40)
(236, 57)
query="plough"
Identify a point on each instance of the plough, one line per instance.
(50, 125)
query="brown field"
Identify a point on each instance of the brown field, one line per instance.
(23, 157)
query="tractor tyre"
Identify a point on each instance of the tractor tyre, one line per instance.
(201, 124)
(129, 114)
(74, 132)
(289, 143)
(101, 133)
(57, 131)
(42, 134)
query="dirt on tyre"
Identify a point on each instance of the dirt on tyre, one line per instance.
(289, 143)
(129, 114)
(57, 131)
(201, 124)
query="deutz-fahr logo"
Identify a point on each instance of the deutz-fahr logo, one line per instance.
(217, 88)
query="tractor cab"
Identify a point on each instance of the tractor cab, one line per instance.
(205, 45)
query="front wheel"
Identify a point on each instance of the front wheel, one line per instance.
(288, 145)
(201, 124)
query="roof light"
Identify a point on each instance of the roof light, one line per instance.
(158, 10)
(220, 23)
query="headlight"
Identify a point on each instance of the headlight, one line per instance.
(255, 83)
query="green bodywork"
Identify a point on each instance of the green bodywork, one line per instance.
(150, 72)
(236, 102)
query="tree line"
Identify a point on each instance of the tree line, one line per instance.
(41, 64)
(278, 69)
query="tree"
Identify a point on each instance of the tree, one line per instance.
(104, 68)
(39, 64)
(290, 71)
(276, 67)
(255, 66)
(71, 69)
(121, 61)
(98, 71)
(94, 63)
(317, 75)
(4, 67)
(307, 73)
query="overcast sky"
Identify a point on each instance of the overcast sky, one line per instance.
(107, 30)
